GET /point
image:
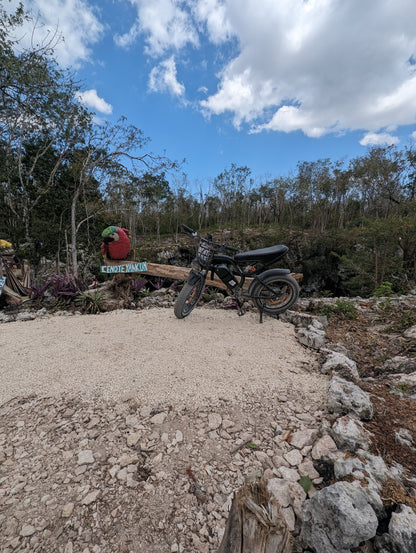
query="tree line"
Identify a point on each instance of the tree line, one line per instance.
(351, 225)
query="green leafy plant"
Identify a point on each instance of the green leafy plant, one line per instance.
(210, 294)
(306, 483)
(341, 308)
(90, 302)
(384, 290)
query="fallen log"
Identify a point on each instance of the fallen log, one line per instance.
(181, 273)
(255, 523)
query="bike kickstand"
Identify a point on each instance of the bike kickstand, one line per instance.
(261, 316)
(240, 311)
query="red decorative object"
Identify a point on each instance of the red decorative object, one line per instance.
(116, 243)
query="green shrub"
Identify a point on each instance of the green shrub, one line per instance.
(90, 301)
(385, 289)
(341, 308)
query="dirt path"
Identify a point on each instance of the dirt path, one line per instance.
(134, 440)
(156, 357)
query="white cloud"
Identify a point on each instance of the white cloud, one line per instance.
(413, 135)
(126, 40)
(291, 118)
(91, 100)
(319, 66)
(213, 14)
(163, 78)
(166, 24)
(316, 66)
(379, 139)
(73, 26)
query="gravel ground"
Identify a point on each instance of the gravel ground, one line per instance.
(150, 354)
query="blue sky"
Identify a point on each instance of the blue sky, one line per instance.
(262, 83)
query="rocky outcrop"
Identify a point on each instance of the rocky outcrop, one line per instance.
(339, 364)
(351, 511)
(345, 397)
(402, 530)
(338, 518)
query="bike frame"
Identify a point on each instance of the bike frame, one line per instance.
(237, 291)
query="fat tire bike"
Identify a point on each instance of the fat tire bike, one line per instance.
(273, 291)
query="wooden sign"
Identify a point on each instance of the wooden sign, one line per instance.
(132, 267)
(2, 283)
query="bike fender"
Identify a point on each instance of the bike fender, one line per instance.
(193, 277)
(274, 272)
(269, 272)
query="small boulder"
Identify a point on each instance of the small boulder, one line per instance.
(349, 433)
(342, 365)
(410, 333)
(345, 397)
(399, 364)
(338, 518)
(311, 337)
(402, 530)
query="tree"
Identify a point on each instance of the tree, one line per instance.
(40, 122)
(113, 155)
(156, 191)
(410, 185)
(378, 179)
(231, 185)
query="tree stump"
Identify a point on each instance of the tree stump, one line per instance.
(255, 523)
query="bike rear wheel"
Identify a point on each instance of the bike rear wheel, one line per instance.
(275, 294)
(188, 298)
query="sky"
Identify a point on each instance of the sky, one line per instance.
(258, 83)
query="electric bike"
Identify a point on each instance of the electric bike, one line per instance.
(273, 291)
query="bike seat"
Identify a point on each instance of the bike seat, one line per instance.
(264, 254)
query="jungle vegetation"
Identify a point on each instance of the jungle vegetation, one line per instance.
(350, 224)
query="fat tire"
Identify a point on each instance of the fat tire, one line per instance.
(286, 294)
(188, 298)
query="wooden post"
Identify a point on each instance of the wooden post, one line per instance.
(255, 523)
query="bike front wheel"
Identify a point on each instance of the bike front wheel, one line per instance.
(275, 294)
(188, 298)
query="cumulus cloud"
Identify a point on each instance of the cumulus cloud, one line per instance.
(213, 15)
(318, 66)
(72, 26)
(165, 24)
(379, 139)
(127, 39)
(90, 99)
(163, 78)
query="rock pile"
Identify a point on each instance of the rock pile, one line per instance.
(350, 512)
(103, 477)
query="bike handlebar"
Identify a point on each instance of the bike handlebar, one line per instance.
(188, 230)
(194, 233)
